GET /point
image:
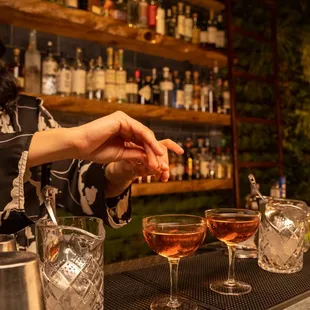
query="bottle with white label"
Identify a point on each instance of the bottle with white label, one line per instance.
(145, 92)
(90, 80)
(180, 21)
(212, 30)
(121, 78)
(78, 75)
(188, 90)
(109, 92)
(143, 13)
(17, 69)
(188, 24)
(74, 4)
(132, 90)
(204, 98)
(166, 89)
(49, 69)
(178, 92)
(160, 19)
(220, 41)
(204, 33)
(99, 79)
(63, 77)
(32, 66)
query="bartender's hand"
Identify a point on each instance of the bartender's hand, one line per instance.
(118, 137)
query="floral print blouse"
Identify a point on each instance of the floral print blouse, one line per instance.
(79, 184)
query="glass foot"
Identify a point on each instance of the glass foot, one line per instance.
(164, 304)
(239, 288)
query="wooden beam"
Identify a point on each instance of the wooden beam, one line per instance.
(181, 187)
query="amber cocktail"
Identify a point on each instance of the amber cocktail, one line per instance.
(232, 226)
(174, 236)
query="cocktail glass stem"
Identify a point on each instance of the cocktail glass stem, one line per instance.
(174, 275)
(231, 269)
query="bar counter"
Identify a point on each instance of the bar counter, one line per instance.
(133, 285)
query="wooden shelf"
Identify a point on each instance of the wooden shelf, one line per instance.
(208, 4)
(143, 112)
(180, 187)
(53, 18)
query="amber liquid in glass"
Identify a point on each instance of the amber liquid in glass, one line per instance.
(174, 242)
(232, 229)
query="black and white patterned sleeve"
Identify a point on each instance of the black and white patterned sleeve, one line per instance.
(13, 160)
(80, 186)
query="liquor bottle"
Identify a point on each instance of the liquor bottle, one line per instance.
(166, 89)
(155, 88)
(152, 10)
(229, 166)
(196, 30)
(83, 5)
(178, 93)
(212, 104)
(137, 75)
(180, 168)
(143, 14)
(204, 33)
(212, 165)
(212, 24)
(204, 164)
(109, 90)
(49, 69)
(133, 13)
(32, 66)
(188, 91)
(95, 6)
(173, 166)
(17, 69)
(282, 186)
(145, 91)
(218, 93)
(160, 19)
(90, 80)
(220, 33)
(171, 22)
(74, 4)
(78, 75)
(132, 90)
(204, 99)
(196, 166)
(219, 165)
(99, 79)
(180, 21)
(188, 160)
(196, 91)
(188, 24)
(226, 98)
(121, 78)
(120, 10)
(107, 8)
(64, 77)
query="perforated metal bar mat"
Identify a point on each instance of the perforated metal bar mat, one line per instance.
(137, 288)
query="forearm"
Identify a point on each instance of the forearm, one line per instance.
(52, 145)
(119, 176)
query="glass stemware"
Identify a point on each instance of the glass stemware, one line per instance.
(232, 226)
(174, 236)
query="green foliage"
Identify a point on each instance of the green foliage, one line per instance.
(257, 100)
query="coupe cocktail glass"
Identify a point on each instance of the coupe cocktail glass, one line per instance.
(232, 226)
(174, 236)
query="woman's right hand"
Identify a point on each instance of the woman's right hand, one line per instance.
(108, 139)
